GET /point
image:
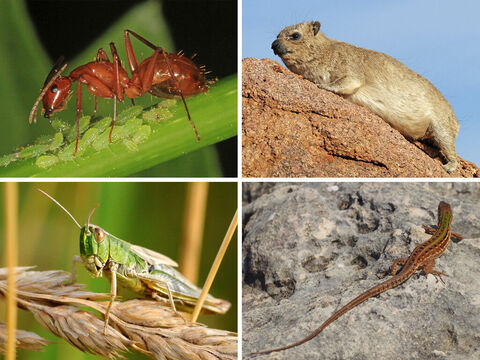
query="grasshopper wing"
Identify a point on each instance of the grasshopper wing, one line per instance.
(181, 289)
(152, 257)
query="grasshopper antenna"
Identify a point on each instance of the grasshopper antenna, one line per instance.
(91, 213)
(61, 206)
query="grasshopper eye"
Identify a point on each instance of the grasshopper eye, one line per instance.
(99, 235)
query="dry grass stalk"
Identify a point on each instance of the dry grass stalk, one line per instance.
(216, 264)
(11, 255)
(24, 339)
(141, 325)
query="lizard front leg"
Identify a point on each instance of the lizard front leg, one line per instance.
(431, 230)
(428, 269)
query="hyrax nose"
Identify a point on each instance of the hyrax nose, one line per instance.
(275, 47)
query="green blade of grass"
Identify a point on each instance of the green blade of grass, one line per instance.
(214, 114)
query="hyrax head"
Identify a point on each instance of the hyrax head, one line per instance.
(295, 38)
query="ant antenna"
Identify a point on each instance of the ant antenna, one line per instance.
(56, 202)
(91, 213)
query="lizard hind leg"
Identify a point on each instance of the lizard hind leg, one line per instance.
(398, 262)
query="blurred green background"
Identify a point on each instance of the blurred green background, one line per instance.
(34, 33)
(147, 214)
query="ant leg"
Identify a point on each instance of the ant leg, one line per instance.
(118, 90)
(100, 88)
(102, 55)
(114, 118)
(140, 38)
(147, 78)
(172, 75)
(131, 58)
(79, 109)
(95, 106)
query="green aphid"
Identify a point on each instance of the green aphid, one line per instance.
(46, 161)
(57, 141)
(101, 141)
(124, 131)
(66, 153)
(32, 151)
(130, 145)
(86, 140)
(84, 121)
(156, 114)
(60, 125)
(129, 113)
(142, 134)
(167, 103)
(7, 159)
(89, 137)
(102, 124)
(43, 139)
(143, 271)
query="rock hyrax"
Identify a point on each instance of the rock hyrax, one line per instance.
(403, 98)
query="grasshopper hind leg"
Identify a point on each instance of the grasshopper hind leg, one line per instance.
(170, 298)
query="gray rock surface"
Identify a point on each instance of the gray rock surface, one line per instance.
(310, 248)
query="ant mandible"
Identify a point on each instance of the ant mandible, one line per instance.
(162, 74)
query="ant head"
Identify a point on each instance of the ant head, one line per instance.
(57, 96)
(51, 103)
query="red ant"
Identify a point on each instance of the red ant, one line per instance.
(162, 74)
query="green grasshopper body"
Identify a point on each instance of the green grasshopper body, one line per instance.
(141, 270)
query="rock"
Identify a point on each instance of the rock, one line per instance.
(291, 128)
(310, 248)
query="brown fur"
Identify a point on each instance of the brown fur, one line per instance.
(403, 98)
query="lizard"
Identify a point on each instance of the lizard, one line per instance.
(422, 257)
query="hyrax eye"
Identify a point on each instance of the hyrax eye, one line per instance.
(99, 235)
(295, 36)
(54, 89)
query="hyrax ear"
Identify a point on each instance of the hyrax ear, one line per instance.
(315, 27)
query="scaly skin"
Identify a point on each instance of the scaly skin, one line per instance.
(423, 257)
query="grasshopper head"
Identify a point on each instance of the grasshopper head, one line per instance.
(94, 249)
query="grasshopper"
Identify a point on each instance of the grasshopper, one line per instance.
(141, 270)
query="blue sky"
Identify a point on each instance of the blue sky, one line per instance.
(438, 39)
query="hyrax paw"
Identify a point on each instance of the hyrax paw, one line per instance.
(450, 166)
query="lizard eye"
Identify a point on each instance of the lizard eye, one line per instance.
(99, 234)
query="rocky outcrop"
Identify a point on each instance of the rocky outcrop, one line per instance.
(291, 128)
